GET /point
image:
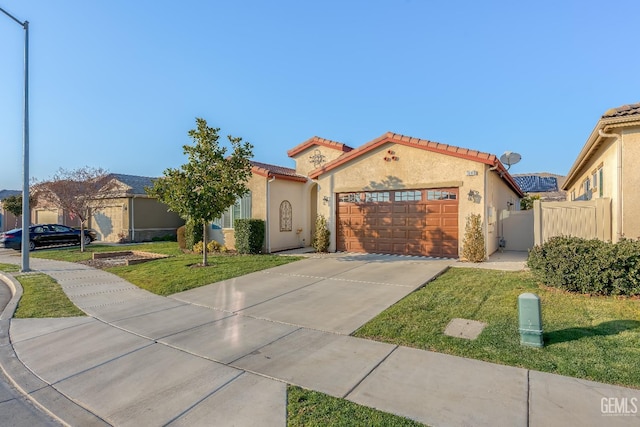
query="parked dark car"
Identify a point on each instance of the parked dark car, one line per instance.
(46, 235)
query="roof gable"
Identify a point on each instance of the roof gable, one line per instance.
(423, 144)
(134, 185)
(316, 140)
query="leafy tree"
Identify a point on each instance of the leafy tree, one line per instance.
(202, 189)
(13, 204)
(76, 192)
(526, 202)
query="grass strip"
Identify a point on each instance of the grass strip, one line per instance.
(314, 409)
(596, 338)
(9, 268)
(43, 297)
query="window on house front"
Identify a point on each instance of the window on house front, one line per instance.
(412, 196)
(240, 210)
(587, 189)
(601, 182)
(285, 216)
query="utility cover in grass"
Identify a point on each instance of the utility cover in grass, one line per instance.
(464, 328)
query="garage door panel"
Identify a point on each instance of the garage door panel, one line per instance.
(426, 227)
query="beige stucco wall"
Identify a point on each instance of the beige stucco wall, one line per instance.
(8, 221)
(415, 168)
(499, 197)
(292, 191)
(607, 157)
(303, 163)
(630, 183)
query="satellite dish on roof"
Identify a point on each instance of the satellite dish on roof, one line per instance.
(510, 158)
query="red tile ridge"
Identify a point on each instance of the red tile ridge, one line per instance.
(316, 140)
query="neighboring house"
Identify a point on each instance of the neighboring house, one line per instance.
(128, 214)
(395, 194)
(543, 184)
(7, 219)
(606, 167)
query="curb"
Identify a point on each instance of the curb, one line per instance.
(43, 395)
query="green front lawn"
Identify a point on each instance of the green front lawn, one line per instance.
(596, 338)
(178, 272)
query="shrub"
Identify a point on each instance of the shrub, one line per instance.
(192, 233)
(212, 247)
(182, 243)
(588, 266)
(473, 242)
(249, 234)
(321, 237)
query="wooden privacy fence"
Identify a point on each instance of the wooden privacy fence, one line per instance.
(589, 219)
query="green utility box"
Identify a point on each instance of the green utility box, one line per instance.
(530, 319)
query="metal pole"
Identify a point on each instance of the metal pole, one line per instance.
(26, 213)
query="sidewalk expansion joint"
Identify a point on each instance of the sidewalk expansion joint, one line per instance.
(370, 372)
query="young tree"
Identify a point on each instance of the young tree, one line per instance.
(13, 204)
(202, 189)
(77, 192)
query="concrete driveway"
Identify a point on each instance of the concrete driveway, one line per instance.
(334, 293)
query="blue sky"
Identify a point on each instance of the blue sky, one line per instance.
(117, 84)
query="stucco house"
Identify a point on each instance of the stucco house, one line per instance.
(7, 219)
(606, 167)
(127, 214)
(395, 194)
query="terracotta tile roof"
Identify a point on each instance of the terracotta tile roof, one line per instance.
(624, 111)
(451, 150)
(268, 170)
(316, 140)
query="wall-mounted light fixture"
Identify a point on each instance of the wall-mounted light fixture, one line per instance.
(473, 196)
(325, 199)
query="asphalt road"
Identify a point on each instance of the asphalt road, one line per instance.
(15, 409)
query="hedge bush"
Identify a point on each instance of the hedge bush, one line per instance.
(473, 242)
(588, 266)
(192, 233)
(182, 243)
(321, 239)
(249, 234)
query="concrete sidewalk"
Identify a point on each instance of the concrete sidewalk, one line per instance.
(222, 354)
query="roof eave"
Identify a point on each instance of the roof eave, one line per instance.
(592, 144)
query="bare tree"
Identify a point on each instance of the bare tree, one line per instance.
(76, 192)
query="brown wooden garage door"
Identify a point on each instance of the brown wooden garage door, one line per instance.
(407, 222)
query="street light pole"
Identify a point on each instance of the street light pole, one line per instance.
(26, 213)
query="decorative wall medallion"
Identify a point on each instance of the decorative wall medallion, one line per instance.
(317, 158)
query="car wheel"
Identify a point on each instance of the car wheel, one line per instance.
(87, 240)
(32, 245)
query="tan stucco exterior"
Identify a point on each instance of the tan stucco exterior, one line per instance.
(614, 148)
(415, 168)
(325, 168)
